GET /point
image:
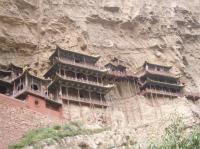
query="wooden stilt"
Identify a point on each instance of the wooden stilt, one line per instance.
(138, 101)
(68, 104)
(157, 102)
(152, 99)
(131, 94)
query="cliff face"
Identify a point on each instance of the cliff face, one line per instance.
(133, 30)
(159, 31)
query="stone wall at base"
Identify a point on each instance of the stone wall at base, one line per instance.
(16, 119)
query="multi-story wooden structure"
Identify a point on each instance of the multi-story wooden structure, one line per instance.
(34, 91)
(157, 80)
(76, 78)
(7, 75)
(117, 69)
(5, 82)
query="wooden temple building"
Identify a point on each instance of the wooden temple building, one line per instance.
(117, 69)
(7, 75)
(157, 80)
(77, 79)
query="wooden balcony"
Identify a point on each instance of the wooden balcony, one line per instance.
(88, 82)
(192, 95)
(28, 90)
(159, 83)
(120, 74)
(158, 73)
(85, 101)
(153, 92)
(82, 65)
(80, 83)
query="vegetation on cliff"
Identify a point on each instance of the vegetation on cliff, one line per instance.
(55, 133)
(176, 137)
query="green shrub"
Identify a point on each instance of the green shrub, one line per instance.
(176, 138)
(55, 133)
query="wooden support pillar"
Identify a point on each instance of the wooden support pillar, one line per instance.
(97, 79)
(60, 91)
(73, 58)
(86, 76)
(58, 53)
(59, 69)
(75, 74)
(84, 59)
(26, 80)
(78, 93)
(66, 89)
(14, 89)
(101, 98)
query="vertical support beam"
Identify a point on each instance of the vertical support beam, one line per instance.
(59, 69)
(26, 80)
(146, 67)
(97, 79)
(58, 53)
(78, 93)
(86, 76)
(60, 91)
(14, 89)
(73, 58)
(66, 89)
(101, 98)
(138, 101)
(69, 111)
(75, 74)
(84, 59)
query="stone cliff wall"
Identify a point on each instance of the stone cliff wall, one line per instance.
(165, 32)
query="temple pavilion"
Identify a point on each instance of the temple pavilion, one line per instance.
(77, 79)
(7, 75)
(117, 69)
(157, 80)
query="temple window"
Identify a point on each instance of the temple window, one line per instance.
(92, 78)
(20, 87)
(62, 72)
(70, 74)
(81, 76)
(73, 92)
(84, 94)
(64, 92)
(34, 87)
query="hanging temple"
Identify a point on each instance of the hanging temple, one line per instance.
(75, 78)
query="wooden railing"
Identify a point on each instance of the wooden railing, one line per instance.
(120, 74)
(163, 73)
(84, 65)
(192, 95)
(160, 82)
(160, 92)
(85, 100)
(87, 81)
(35, 92)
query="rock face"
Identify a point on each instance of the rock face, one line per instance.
(166, 32)
(134, 30)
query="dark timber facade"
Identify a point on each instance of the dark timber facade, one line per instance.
(157, 80)
(77, 79)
